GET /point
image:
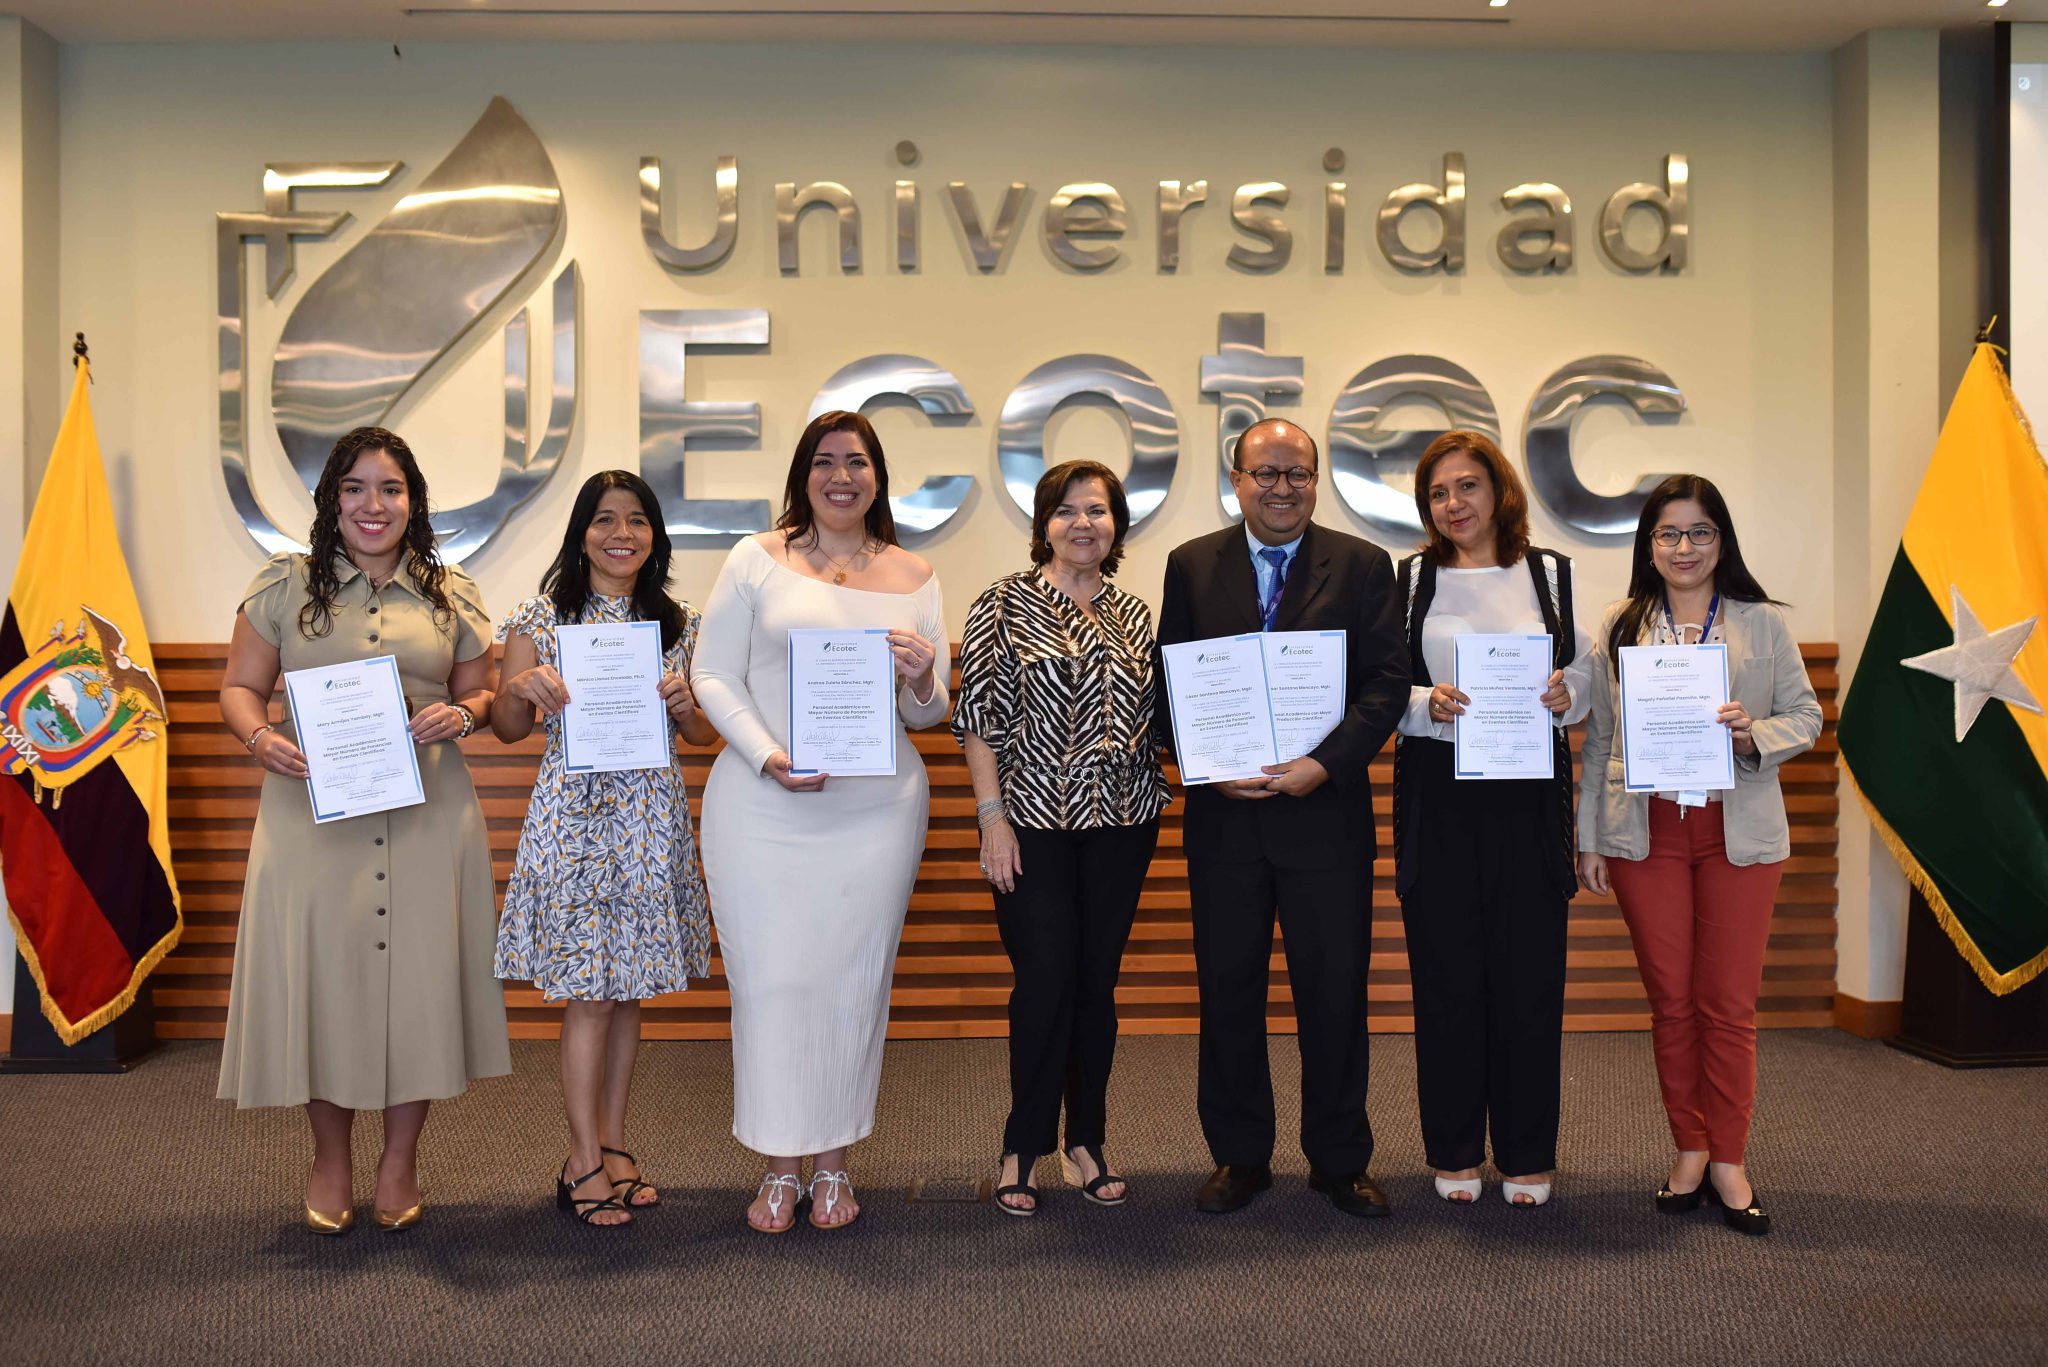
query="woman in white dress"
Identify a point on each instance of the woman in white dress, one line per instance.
(810, 876)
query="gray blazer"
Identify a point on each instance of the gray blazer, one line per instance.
(1768, 678)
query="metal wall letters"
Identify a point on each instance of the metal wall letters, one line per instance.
(987, 248)
(1263, 224)
(1555, 223)
(1449, 205)
(1155, 432)
(1673, 205)
(1363, 454)
(670, 423)
(725, 183)
(1242, 377)
(1547, 437)
(934, 389)
(790, 202)
(1084, 210)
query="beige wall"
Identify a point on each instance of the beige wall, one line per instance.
(1888, 405)
(31, 370)
(157, 139)
(1802, 333)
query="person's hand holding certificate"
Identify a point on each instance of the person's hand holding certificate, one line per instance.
(614, 718)
(352, 727)
(1672, 735)
(842, 702)
(1503, 730)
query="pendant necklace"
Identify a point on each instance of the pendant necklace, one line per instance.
(839, 566)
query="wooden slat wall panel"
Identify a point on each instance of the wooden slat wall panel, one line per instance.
(951, 976)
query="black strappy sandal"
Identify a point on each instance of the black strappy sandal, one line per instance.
(632, 1184)
(1092, 1189)
(1021, 1187)
(584, 1207)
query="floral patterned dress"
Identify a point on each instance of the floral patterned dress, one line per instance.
(606, 901)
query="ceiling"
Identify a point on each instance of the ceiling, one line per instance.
(1650, 25)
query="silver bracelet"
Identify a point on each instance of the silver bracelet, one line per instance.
(988, 813)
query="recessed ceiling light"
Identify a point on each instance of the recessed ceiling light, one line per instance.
(1993, 4)
(1503, 4)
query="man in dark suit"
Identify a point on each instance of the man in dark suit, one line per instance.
(1299, 841)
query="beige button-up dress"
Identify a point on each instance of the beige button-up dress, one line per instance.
(363, 961)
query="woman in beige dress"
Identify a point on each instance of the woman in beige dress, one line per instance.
(363, 961)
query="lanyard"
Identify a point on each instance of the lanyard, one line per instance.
(1713, 610)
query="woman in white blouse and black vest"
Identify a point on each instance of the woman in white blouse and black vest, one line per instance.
(1484, 867)
(1055, 713)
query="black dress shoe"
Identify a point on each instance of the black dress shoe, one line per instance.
(1232, 1187)
(1356, 1195)
(1671, 1202)
(1749, 1219)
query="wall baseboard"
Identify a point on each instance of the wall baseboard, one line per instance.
(6, 1033)
(1871, 1020)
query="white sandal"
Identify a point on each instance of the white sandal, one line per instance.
(1537, 1192)
(833, 1181)
(774, 1184)
(1459, 1191)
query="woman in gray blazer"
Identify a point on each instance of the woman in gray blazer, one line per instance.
(1696, 874)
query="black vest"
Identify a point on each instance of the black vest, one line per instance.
(1417, 583)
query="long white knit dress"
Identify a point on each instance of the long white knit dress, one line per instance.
(808, 890)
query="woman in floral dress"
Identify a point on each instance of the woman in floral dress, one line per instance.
(606, 906)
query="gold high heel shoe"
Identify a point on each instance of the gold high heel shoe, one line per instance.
(393, 1220)
(320, 1222)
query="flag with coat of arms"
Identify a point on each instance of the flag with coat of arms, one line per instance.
(85, 845)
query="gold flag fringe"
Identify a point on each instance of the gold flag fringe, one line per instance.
(71, 1032)
(2000, 984)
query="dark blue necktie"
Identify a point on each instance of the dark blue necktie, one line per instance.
(1277, 558)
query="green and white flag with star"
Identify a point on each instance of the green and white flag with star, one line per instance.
(1942, 731)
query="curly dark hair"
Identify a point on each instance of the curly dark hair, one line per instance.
(422, 557)
(567, 581)
(1052, 491)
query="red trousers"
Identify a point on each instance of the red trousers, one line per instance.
(1699, 925)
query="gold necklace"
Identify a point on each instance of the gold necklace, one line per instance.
(840, 566)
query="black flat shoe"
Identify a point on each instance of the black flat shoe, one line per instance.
(1233, 1187)
(1749, 1219)
(1356, 1195)
(1671, 1202)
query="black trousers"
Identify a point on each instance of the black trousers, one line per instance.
(1486, 950)
(1065, 927)
(1326, 926)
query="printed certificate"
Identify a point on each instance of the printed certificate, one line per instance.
(1505, 731)
(842, 702)
(1304, 687)
(614, 719)
(351, 722)
(1671, 739)
(1222, 716)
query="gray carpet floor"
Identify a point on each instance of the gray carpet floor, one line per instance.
(141, 1221)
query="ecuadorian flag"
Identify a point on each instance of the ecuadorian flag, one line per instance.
(1942, 731)
(85, 841)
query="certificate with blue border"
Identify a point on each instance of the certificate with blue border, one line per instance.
(842, 702)
(351, 721)
(1670, 734)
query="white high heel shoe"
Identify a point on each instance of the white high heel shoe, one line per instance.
(1459, 1191)
(1537, 1192)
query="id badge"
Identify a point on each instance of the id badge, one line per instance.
(1692, 798)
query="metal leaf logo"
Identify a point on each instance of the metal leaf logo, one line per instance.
(372, 329)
